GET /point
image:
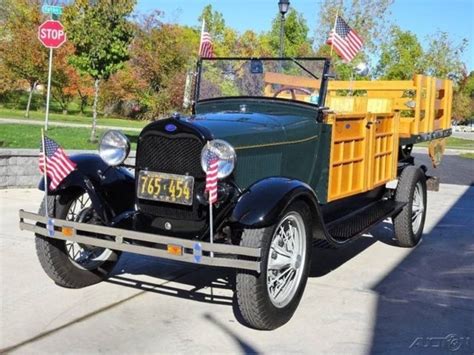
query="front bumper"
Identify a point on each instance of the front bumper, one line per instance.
(191, 251)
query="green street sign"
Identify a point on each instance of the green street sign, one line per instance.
(51, 9)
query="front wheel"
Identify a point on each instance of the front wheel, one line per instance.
(70, 264)
(269, 299)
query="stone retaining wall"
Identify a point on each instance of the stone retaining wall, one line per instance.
(19, 167)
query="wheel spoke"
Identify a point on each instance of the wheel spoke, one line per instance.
(280, 251)
(284, 282)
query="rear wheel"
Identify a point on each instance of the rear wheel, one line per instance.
(409, 223)
(67, 263)
(269, 299)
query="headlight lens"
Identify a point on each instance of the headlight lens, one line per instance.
(114, 147)
(224, 152)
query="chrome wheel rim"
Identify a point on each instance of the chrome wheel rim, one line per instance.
(286, 259)
(84, 256)
(418, 208)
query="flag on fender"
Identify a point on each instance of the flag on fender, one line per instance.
(211, 179)
(57, 164)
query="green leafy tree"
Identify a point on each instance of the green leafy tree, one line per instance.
(296, 40)
(215, 23)
(443, 57)
(22, 56)
(368, 17)
(101, 33)
(401, 56)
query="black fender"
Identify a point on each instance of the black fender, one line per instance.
(111, 189)
(263, 203)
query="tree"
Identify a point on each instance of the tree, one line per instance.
(161, 54)
(367, 17)
(401, 56)
(101, 33)
(22, 55)
(67, 83)
(215, 23)
(296, 40)
(443, 57)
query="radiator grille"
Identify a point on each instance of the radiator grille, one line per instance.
(178, 154)
(173, 154)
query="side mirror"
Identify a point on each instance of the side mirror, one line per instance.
(362, 69)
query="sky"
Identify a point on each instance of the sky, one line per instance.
(423, 17)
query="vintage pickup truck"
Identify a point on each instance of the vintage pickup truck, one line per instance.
(303, 161)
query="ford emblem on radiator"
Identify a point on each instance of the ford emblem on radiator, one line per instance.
(170, 127)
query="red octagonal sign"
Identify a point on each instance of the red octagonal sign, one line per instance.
(51, 34)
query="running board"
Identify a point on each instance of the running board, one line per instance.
(361, 221)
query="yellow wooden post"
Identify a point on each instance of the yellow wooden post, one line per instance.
(415, 125)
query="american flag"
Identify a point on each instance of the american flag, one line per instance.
(58, 165)
(206, 49)
(211, 179)
(346, 42)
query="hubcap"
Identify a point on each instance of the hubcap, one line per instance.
(418, 208)
(286, 259)
(84, 256)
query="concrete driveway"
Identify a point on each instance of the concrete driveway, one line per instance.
(370, 297)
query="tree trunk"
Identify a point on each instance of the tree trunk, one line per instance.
(83, 99)
(93, 137)
(32, 89)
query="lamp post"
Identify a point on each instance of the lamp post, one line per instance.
(283, 6)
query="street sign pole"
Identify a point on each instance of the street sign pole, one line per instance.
(48, 93)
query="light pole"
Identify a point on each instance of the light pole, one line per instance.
(283, 6)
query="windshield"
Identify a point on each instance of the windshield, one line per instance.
(293, 79)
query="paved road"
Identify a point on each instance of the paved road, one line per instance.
(62, 124)
(370, 297)
(453, 169)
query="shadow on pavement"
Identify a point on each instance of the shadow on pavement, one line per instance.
(198, 283)
(426, 303)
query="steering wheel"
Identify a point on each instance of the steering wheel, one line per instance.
(292, 91)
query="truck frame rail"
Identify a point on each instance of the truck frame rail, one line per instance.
(190, 251)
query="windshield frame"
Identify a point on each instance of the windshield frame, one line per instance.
(324, 76)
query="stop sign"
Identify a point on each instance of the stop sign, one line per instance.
(51, 34)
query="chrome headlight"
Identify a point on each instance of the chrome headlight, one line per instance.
(114, 147)
(224, 152)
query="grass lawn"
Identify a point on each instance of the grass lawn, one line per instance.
(26, 136)
(468, 155)
(58, 117)
(454, 143)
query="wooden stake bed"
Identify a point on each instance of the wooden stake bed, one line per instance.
(370, 120)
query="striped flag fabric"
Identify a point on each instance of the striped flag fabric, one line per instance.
(345, 41)
(211, 179)
(206, 48)
(58, 165)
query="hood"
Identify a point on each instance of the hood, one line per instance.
(242, 128)
(262, 121)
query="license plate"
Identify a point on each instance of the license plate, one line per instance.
(166, 187)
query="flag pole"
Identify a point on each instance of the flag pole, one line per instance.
(211, 220)
(45, 175)
(334, 29)
(211, 227)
